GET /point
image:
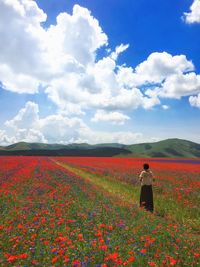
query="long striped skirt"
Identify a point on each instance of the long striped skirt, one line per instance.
(146, 197)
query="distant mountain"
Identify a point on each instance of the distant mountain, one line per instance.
(82, 149)
(43, 146)
(171, 148)
(34, 146)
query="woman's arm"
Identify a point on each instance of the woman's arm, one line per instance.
(141, 176)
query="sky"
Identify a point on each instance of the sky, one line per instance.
(106, 71)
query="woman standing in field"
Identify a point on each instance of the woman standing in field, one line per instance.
(146, 194)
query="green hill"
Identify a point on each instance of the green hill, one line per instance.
(43, 146)
(36, 146)
(170, 148)
(33, 146)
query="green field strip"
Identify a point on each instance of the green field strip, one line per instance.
(123, 191)
(165, 208)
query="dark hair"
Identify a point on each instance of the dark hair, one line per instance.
(146, 166)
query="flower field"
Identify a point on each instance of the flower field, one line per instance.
(84, 212)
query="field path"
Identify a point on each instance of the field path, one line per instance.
(121, 190)
(129, 195)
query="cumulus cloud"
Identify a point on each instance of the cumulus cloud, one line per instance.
(165, 107)
(149, 103)
(122, 137)
(180, 85)
(18, 83)
(28, 126)
(161, 75)
(27, 117)
(111, 87)
(36, 55)
(77, 36)
(62, 60)
(66, 130)
(119, 49)
(21, 46)
(159, 66)
(195, 101)
(170, 77)
(25, 125)
(113, 116)
(5, 139)
(29, 135)
(194, 15)
(177, 86)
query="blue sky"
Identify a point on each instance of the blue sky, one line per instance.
(99, 71)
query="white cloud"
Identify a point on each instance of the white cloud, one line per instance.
(20, 83)
(36, 55)
(62, 58)
(159, 66)
(124, 100)
(25, 125)
(122, 137)
(113, 116)
(195, 101)
(97, 88)
(77, 36)
(21, 46)
(27, 117)
(149, 103)
(28, 126)
(60, 129)
(161, 75)
(169, 76)
(5, 139)
(119, 49)
(29, 135)
(127, 78)
(179, 85)
(194, 15)
(165, 107)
